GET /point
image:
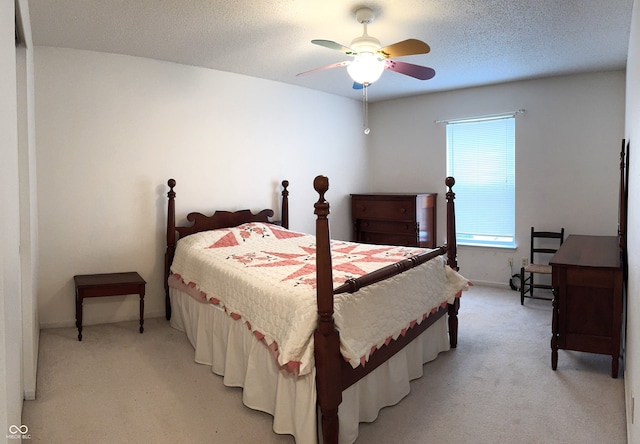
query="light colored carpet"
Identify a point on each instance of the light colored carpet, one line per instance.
(118, 386)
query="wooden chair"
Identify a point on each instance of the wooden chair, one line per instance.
(544, 244)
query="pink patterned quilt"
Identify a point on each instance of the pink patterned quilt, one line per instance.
(265, 275)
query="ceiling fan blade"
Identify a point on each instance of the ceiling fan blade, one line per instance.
(335, 65)
(409, 69)
(333, 45)
(404, 48)
(357, 85)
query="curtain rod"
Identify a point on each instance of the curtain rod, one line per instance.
(485, 117)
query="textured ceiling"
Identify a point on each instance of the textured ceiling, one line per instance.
(473, 42)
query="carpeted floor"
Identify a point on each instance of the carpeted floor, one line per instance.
(118, 386)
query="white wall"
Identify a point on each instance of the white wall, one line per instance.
(113, 129)
(632, 134)
(567, 156)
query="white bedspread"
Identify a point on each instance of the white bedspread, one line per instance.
(265, 275)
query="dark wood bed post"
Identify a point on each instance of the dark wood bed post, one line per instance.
(285, 204)
(326, 337)
(171, 243)
(452, 259)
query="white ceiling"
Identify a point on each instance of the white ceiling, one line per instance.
(473, 42)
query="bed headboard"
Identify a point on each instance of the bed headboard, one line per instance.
(201, 222)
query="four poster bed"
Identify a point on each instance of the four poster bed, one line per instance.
(304, 323)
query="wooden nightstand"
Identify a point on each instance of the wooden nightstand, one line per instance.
(109, 284)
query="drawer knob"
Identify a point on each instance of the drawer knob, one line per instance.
(403, 210)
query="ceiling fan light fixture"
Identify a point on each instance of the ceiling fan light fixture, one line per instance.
(366, 68)
(370, 59)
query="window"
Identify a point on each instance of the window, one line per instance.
(481, 157)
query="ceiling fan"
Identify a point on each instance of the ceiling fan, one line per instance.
(371, 59)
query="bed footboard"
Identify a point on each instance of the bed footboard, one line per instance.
(333, 375)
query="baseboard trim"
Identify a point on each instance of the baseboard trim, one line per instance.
(72, 323)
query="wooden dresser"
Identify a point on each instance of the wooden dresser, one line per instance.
(587, 284)
(395, 219)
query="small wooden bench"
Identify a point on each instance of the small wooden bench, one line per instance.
(109, 284)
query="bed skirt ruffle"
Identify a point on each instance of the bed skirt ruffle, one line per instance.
(234, 353)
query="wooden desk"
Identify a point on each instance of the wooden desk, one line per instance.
(587, 307)
(110, 284)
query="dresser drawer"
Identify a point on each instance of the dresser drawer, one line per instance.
(383, 226)
(403, 210)
(389, 239)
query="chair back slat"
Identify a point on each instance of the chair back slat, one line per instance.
(542, 243)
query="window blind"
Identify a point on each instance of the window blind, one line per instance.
(481, 157)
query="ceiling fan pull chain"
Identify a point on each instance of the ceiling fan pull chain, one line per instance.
(365, 109)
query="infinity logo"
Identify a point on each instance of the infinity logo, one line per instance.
(18, 430)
